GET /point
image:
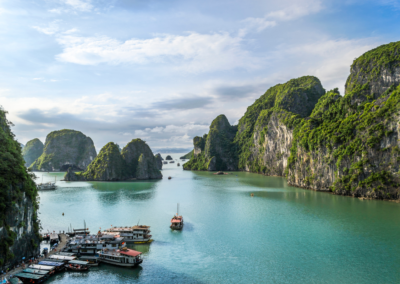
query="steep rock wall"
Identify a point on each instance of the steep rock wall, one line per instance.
(65, 148)
(32, 150)
(19, 225)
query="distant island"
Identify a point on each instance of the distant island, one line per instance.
(319, 140)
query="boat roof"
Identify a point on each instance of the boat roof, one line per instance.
(129, 252)
(78, 262)
(88, 257)
(55, 256)
(36, 271)
(15, 280)
(53, 236)
(66, 253)
(29, 275)
(44, 267)
(53, 260)
(51, 263)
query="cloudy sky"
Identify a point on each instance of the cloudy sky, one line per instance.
(162, 70)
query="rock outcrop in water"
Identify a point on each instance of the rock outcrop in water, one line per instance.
(32, 151)
(64, 149)
(136, 161)
(168, 158)
(322, 141)
(19, 225)
(215, 151)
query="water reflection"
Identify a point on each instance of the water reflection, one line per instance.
(112, 193)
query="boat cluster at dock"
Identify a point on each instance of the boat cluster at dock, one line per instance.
(83, 250)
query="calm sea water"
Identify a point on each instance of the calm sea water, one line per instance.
(281, 235)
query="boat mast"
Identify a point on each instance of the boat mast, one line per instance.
(177, 209)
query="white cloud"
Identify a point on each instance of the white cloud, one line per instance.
(140, 133)
(193, 52)
(51, 29)
(300, 9)
(79, 5)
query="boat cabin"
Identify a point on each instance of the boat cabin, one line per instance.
(125, 257)
(58, 265)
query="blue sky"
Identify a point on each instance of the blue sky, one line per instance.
(163, 70)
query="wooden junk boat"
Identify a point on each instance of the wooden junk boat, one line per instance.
(177, 221)
(31, 278)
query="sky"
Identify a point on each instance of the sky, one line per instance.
(162, 70)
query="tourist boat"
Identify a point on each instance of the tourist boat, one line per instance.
(124, 257)
(89, 245)
(177, 221)
(46, 186)
(14, 280)
(139, 234)
(61, 258)
(77, 265)
(54, 238)
(165, 162)
(172, 162)
(46, 237)
(31, 278)
(92, 260)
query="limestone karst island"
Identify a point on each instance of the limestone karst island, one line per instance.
(200, 142)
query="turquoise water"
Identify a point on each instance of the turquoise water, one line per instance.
(281, 235)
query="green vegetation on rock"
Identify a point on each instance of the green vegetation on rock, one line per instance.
(136, 161)
(188, 155)
(107, 166)
(32, 150)
(18, 194)
(63, 149)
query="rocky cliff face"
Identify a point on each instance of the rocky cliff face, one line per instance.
(136, 161)
(215, 151)
(322, 141)
(159, 160)
(64, 149)
(141, 163)
(32, 151)
(19, 226)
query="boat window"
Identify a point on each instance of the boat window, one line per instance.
(114, 245)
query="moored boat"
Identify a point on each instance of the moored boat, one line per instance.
(77, 265)
(31, 278)
(37, 271)
(92, 260)
(89, 245)
(124, 257)
(46, 186)
(59, 266)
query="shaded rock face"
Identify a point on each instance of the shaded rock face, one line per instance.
(216, 150)
(66, 147)
(144, 168)
(19, 228)
(168, 158)
(159, 160)
(32, 151)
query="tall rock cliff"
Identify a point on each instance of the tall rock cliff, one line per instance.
(32, 150)
(19, 225)
(140, 161)
(64, 149)
(265, 131)
(322, 141)
(350, 145)
(216, 150)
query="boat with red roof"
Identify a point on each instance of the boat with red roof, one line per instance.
(123, 257)
(177, 221)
